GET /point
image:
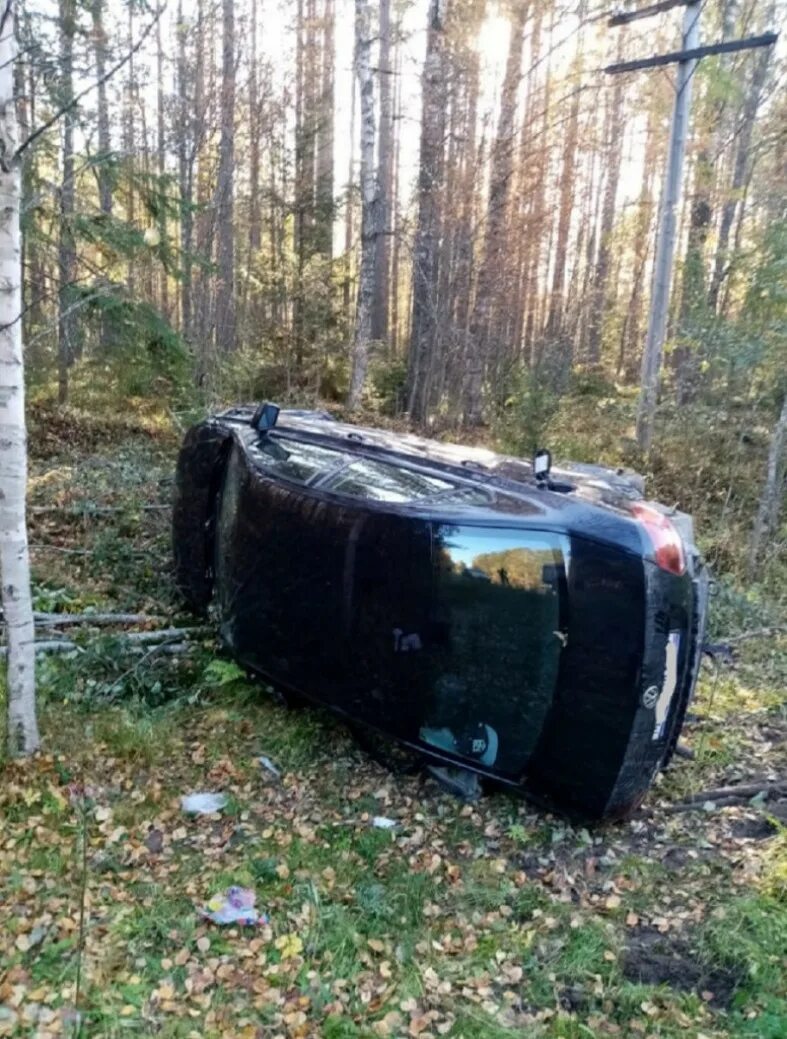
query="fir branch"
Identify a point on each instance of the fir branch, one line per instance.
(93, 86)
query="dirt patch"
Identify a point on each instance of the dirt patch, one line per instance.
(655, 959)
(51, 429)
(754, 829)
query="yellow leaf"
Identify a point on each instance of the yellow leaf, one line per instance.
(290, 945)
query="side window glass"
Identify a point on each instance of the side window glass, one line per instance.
(381, 481)
(296, 459)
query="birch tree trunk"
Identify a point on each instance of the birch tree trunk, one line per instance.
(14, 559)
(369, 205)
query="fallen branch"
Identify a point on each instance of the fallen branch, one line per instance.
(741, 790)
(66, 646)
(62, 620)
(728, 796)
(90, 510)
(756, 633)
(136, 638)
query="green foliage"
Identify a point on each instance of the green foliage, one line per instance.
(139, 348)
(389, 379)
(522, 423)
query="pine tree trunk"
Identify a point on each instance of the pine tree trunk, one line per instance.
(17, 603)
(554, 326)
(370, 203)
(425, 254)
(384, 179)
(613, 155)
(255, 210)
(739, 173)
(324, 181)
(129, 145)
(66, 253)
(104, 139)
(186, 156)
(161, 156)
(493, 275)
(349, 210)
(225, 291)
(394, 334)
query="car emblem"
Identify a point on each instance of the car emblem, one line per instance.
(650, 697)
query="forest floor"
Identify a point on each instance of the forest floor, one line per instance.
(484, 921)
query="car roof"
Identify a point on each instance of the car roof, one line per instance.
(514, 497)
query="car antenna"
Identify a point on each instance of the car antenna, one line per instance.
(265, 417)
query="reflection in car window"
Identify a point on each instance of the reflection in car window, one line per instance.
(379, 481)
(467, 495)
(496, 666)
(296, 459)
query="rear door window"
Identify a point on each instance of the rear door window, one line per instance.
(381, 481)
(297, 460)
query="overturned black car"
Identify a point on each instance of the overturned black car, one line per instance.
(534, 625)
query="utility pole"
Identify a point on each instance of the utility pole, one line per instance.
(686, 59)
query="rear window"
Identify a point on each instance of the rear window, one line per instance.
(381, 481)
(296, 459)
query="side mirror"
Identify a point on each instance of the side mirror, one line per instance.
(542, 465)
(265, 417)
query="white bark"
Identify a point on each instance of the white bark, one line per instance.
(14, 558)
(370, 204)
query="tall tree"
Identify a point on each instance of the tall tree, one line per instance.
(225, 187)
(613, 147)
(370, 204)
(104, 138)
(425, 252)
(66, 253)
(324, 167)
(161, 159)
(384, 178)
(17, 603)
(495, 267)
(740, 171)
(186, 147)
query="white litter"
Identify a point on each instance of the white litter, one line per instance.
(203, 804)
(268, 764)
(382, 822)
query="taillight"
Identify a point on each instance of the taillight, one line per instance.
(667, 545)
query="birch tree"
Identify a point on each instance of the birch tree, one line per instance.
(369, 204)
(14, 557)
